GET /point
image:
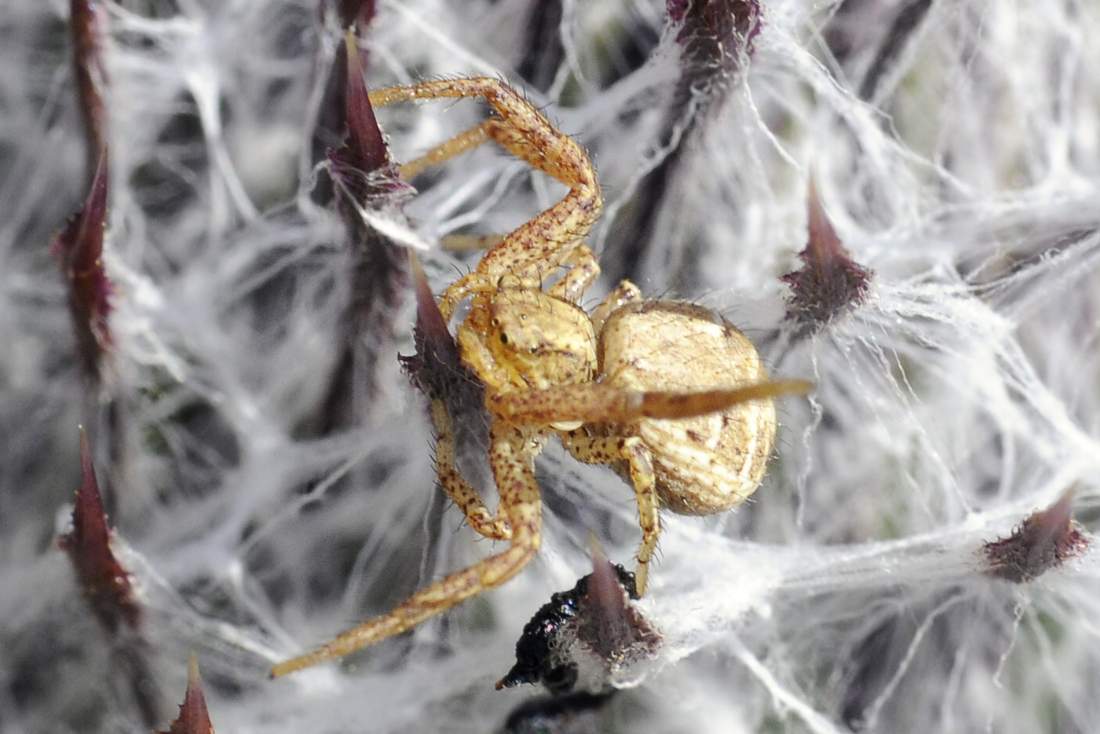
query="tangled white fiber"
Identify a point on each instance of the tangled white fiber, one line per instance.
(270, 485)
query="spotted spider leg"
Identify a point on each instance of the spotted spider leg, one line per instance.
(582, 273)
(624, 293)
(450, 148)
(632, 450)
(595, 402)
(448, 392)
(511, 456)
(465, 497)
(583, 270)
(544, 242)
(441, 153)
(582, 264)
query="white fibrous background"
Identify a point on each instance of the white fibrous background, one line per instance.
(268, 491)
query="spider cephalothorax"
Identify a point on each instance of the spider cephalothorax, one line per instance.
(669, 394)
(519, 339)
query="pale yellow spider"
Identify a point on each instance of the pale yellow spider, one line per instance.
(608, 383)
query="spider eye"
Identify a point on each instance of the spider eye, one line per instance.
(503, 338)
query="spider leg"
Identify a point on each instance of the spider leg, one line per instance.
(584, 267)
(521, 129)
(582, 264)
(457, 145)
(530, 252)
(624, 293)
(544, 242)
(605, 403)
(611, 449)
(492, 129)
(470, 242)
(583, 271)
(513, 468)
(456, 487)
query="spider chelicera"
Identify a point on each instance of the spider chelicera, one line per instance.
(669, 394)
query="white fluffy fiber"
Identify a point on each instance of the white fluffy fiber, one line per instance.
(964, 394)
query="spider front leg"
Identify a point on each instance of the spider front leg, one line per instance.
(457, 488)
(513, 468)
(469, 139)
(583, 268)
(582, 273)
(470, 242)
(609, 450)
(624, 293)
(451, 147)
(544, 242)
(521, 129)
(595, 402)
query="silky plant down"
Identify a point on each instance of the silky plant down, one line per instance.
(897, 200)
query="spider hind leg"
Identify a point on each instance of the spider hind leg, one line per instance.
(612, 449)
(513, 469)
(465, 497)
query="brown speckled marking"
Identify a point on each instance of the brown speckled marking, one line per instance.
(512, 464)
(457, 488)
(582, 273)
(604, 402)
(609, 450)
(539, 246)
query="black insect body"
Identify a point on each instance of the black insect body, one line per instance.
(585, 621)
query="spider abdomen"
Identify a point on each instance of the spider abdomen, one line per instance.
(708, 463)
